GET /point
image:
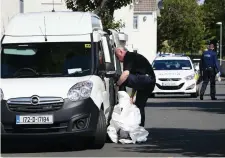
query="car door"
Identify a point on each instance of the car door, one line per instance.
(109, 101)
(115, 43)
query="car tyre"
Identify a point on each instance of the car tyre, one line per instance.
(99, 139)
(194, 95)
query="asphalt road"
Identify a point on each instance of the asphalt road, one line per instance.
(177, 127)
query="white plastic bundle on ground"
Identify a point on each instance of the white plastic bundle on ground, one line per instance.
(126, 117)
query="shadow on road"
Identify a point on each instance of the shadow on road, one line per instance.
(186, 142)
(34, 145)
(38, 146)
(217, 95)
(204, 106)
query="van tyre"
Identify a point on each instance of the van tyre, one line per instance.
(112, 98)
(99, 139)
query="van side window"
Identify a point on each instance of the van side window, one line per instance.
(101, 57)
(110, 48)
(106, 50)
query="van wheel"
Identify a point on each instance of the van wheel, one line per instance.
(112, 93)
(112, 100)
(99, 139)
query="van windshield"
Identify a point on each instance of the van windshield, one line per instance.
(172, 65)
(46, 60)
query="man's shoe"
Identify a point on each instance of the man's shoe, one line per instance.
(201, 97)
(214, 98)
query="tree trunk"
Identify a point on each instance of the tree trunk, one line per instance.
(111, 8)
(103, 4)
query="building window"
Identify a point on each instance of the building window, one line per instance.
(135, 22)
(21, 6)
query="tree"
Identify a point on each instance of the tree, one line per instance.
(181, 25)
(214, 11)
(103, 8)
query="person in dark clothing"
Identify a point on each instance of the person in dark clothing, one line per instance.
(209, 67)
(139, 75)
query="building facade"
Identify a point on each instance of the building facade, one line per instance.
(9, 8)
(140, 19)
(44, 5)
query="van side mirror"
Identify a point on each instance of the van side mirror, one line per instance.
(110, 70)
(110, 74)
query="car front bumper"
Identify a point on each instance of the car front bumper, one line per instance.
(65, 123)
(178, 87)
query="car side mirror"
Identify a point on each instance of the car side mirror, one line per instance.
(110, 74)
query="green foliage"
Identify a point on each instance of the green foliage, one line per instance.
(104, 10)
(214, 11)
(181, 25)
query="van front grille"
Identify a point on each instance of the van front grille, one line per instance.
(42, 104)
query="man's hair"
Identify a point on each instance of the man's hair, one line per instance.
(123, 48)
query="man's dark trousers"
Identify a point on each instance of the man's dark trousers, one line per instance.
(209, 74)
(144, 85)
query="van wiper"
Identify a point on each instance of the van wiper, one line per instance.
(38, 75)
(77, 72)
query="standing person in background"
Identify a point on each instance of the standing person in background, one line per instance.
(209, 67)
(137, 74)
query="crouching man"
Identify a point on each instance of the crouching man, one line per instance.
(139, 75)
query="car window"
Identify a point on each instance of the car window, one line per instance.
(172, 65)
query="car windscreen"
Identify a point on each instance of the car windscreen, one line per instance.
(46, 60)
(172, 65)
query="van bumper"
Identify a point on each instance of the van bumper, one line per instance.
(73, 119)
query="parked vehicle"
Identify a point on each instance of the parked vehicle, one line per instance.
(57, 76)
(175, 74)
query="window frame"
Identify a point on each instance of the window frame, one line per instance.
(109, 63)
(135, 26)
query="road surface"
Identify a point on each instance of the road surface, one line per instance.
(177, 127)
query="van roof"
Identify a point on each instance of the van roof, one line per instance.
(53, 24)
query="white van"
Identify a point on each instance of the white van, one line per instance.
(57, 76)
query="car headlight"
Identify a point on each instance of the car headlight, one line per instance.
(190, 77)
(79, 91)
(2, 94)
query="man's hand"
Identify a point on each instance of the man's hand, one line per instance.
(132, 100)
(123, 78)
(116, 77)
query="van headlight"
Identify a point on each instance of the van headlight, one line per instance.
(79, 91)
(190, 77)
(2, 94)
